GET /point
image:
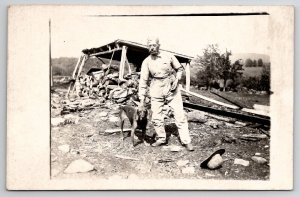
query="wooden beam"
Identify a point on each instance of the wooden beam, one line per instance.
(249, 118)
(80, 69)
(122, 63)
(75, 69)
(105, 52)
(187, 77)
(210, 100)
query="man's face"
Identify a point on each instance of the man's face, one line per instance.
(153, 48)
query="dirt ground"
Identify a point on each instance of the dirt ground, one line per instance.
(87, 139)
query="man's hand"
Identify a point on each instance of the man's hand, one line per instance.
(141, 105)
(174, 84)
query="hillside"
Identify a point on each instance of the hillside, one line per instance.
(252, 56)
(65, 66)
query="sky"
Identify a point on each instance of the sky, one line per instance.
(185, 35)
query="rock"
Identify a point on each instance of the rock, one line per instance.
(64, 148)
(188, 170)
(266, 146)
(103, 114)
(213, 123)
(259, 160)
(196, 116)
(181, 163)
(172, 148)
(57, 121)
(209, 175)
(241, 162)
(132, 176)
(114, 119)
(257, 154)
(79, 165)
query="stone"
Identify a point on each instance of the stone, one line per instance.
(57, 121)
(188, 170)
(114, 119)
(64, 148)
(209, 175)
(103, 114)
(196, 116)
(172, 148)
(181, 163)
(241, 162)
(257, 154)
(259, 160)
(175, 148)
(78, 166)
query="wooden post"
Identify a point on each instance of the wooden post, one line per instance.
(79, 60)
(129, 68)
(122, 63)
(80, 69)
(187, 77)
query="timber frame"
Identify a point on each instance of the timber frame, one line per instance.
(126, 52)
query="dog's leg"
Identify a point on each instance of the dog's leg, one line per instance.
(122, 119)
(133, 128)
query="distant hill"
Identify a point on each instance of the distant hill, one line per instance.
(64, 66)
(252, 56)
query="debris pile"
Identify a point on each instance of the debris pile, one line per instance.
(100, 86)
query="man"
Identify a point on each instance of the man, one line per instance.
(165, 71)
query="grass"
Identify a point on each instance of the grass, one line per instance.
(252, 72)
(243, 99)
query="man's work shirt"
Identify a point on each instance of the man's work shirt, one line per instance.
(162, 70)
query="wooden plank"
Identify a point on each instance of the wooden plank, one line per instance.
(261, 107)
(118, 130)
(188, 77)
(122, 63)
(245, 117)
(210, 100)
(258, 112)
(227, 99)
(79, 60)
(105, 52)
(126, 157)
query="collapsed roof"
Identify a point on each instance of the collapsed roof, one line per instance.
(136, 52)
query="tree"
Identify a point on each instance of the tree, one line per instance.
(248, 63)
(265, 78)
(260, 62)
(208, 64)
(216, 66)
(254, 63)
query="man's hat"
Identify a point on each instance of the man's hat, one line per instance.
(214, 161)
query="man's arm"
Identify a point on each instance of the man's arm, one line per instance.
(179, 69)
(144, 77)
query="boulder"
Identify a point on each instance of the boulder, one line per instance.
(196, 116)
(188, 170)
(64, 148)
(57, 121)
(181, 163)
(79, 165)
(241, 162)
(259, 160)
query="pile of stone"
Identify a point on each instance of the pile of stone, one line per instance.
(100, 86)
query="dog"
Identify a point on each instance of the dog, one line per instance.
(137, 118)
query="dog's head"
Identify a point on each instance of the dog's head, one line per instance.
(142, 113)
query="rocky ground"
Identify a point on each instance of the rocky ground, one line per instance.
(82, 147)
